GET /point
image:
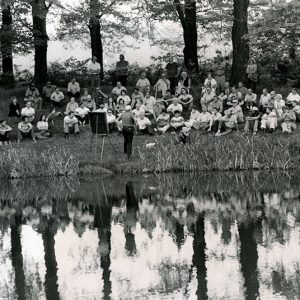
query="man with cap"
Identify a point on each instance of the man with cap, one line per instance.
(127, 120)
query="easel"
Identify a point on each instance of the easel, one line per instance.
(103, 135)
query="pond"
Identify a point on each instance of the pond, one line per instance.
(206, 236)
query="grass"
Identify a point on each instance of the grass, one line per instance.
(59, 157)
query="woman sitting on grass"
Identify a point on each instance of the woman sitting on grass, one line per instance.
(28, 112)
(162, 85)
(269, 120)
(214, 120)
(186, 100)
(57, 97)
(252, 120)
(14, 108)
(85, 95)
(177, 121)
(4, 133)
(120, 107)
(90, 103)
(25, 129)
(216, 103)
(43, 128)
(144, 125)
(125, 97)
(163, 122)
(33, 95)
(194, 121)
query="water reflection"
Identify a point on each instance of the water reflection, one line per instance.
(233, 236)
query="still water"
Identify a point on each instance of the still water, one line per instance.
(211, 236)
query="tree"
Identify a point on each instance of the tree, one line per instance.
(6, 40)
(240, 43)
(40, 39)
(109, 23)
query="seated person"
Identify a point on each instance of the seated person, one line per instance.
(136, 95)
(269, 120)
(120, 107)
(25, 129)
(288, 119)
(111, 120)
(214, 120)
(125, 97)
(204, 119)
(81, 114)
(264, 99)
(143, 84)
(206, 87)
(73, 89)
(162, 85)
(250, 99)
(116, 91)
(207, 97)
(184, 136)
(43, 128)
(100, 97)
(186, 100)
(175, 106)
(168, 98)
(14, 108)
(28, 112)
(139, 108)
(71, 123)
(235, 94)
(4, 133)
(111, 105)
(163, 122)
(71, 106)
(90, 103)
(57, 97)
(242, 90)
(293, 97)
(194, 121)
(149, 103)
(85, 95)
(48, 90)
(212, 81)
(223, 97)
(177, 121)
(215, 103)
(278, 104)
(233, 116)
(33, 95)
(252, 120)
(144, 125)
(296, 109)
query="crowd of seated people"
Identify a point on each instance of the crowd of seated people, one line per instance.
(156, 109)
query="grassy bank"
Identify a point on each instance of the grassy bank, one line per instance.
(81, 156)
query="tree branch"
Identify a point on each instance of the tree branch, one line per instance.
(109, 6)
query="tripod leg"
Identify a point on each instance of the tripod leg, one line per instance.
(111, 144)
(102, 150)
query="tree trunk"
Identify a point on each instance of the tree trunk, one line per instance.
(40, 37)
(190, 36)
(240, 44)
(6, 40)
(16, 256)
(95, 33)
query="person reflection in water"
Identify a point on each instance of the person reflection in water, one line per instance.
(130, 219)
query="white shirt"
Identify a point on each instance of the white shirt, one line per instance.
(82, 111)
(212, 81)
(126, 98)
(264, 99)
(110, 119)
(149, 103)
(137, 112)
(143, 123)
(94, 68)
(117, 90)
(70, 121)
(204, 117)
(57, 97)
(73, 87)
(28, 112)
(42, 125)
(172, 107)
(293, 97)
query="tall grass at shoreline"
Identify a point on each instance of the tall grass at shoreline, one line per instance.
(25, 163)
(224, 154)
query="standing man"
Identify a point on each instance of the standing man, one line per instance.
(122, 70)
(219, 71)
(173, 71)
(94, 69)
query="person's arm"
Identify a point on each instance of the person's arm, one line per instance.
(189, 83)
(8, 128)
(190, 99)
(27, 92)
(148, 83)
(20, 127)
(94, 105)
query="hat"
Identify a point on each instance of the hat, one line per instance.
(127, 107)
(254, 108)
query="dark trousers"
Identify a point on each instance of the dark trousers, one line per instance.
(4, 137)
(128, 133)
(123, 79)
(173, 85)
(76, 95)
(148, 130)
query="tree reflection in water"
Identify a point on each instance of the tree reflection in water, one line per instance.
(164, 235)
